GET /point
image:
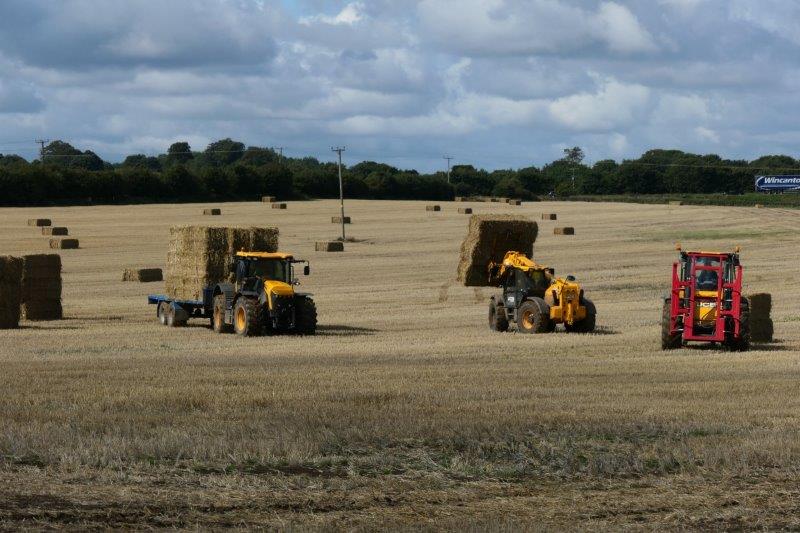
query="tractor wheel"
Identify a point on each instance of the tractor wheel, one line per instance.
(162, 313)
(742, 344)
(245, 317)
(533, 316)
(498, 321)
(586, 325)
(218, 317)
(305, 313)
(668, 341)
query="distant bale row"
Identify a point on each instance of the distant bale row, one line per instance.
(433, 208)
(488, 239)
(143, 275)
(549, 216)
(10, 291)
(564, 231)
(41, 287)
(199, 256)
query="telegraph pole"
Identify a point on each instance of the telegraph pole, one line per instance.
(280, 153)
(41, 143)
(339, 150)
(449, 158)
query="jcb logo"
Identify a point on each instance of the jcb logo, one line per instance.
(709, 305)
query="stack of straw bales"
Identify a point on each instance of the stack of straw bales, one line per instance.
(279, 205)
(10, 291)
(762, 328)
(212, 212)
(464, 210)
(514, 202)
(268, 199)
(143, 275)
(488, 239)
(549, 216)
(41, 287)
(199, 256)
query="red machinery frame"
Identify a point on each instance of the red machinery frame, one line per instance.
(689, 287)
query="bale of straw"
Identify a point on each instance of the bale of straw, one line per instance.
(268, 199)
(564, 231)
(10, 291)
(41, 287)
(433, 208)
(200, 256)
(464, 210)
(760, 304)
(330, 246)
(39, 222)
(64, 244)
(459, 199)
(143, 275)
(675, 202)
(759, 206)
(338, 220)
(761, 330)
(488, 239)
(514, 202)
(279, 206)
(55, 231)
(549, 216)
(212, 212)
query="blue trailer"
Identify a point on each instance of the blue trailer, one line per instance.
(176, 313)
(777, 183)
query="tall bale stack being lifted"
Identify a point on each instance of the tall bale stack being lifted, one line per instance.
(200, 256)
(10, 291)
(762, 329)
(41, 287)
(488, 239)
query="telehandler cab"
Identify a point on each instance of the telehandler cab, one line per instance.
(706, 302)
(535, 299)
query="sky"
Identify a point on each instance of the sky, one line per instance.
(493, 83)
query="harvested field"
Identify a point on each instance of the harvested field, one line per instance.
(41, 287)
(143, 275)
(405, 411)
(54, 231)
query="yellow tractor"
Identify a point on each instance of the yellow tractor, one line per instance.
(535, 299)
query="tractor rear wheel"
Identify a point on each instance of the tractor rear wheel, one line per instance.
(669, 341)
(498, 321)
(586, 325)
(218, 317)
(533, 316)
(742, 344)
(245, 317)
(305, 316)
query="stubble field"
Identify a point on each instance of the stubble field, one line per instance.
(405, 411)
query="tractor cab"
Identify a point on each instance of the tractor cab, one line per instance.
(272, 269)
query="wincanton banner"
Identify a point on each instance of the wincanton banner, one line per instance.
(777, 183)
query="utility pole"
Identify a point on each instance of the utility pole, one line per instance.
(280, 153)
(41, 143)
(449, 158)
(339, 150)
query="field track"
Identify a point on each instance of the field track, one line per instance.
(405, 410)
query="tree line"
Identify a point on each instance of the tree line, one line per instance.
(229, 170)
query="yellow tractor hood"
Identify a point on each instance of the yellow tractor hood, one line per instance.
(278, 288)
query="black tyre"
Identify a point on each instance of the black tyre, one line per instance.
(533, 316)
(588, 324)
(498, 321)
(218, 317)
(305, 316)
(668, 341)
(742, 344)
(162, 313)
(245, 318)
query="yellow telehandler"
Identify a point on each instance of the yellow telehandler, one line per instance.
(535, 300)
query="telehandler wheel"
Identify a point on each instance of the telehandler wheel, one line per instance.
(305, 313)
(742, 344)
(532, 316)
(162, 313)
(586, 325)
(668, 342)
(218, 317)
(498, 321)
(245, 317)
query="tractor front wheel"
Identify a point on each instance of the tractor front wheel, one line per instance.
(305, 313)
(586, 325)
(669, 340)
(533, 316)
(245, 317)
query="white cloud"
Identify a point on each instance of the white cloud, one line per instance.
(614, 105)
(350, 15)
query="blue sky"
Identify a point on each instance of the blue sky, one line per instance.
(495, 83)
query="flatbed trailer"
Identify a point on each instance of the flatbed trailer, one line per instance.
(177, 313)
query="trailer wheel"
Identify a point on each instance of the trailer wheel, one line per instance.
(169, 317)
(161, 313)
(245, 317)
(218, 317)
